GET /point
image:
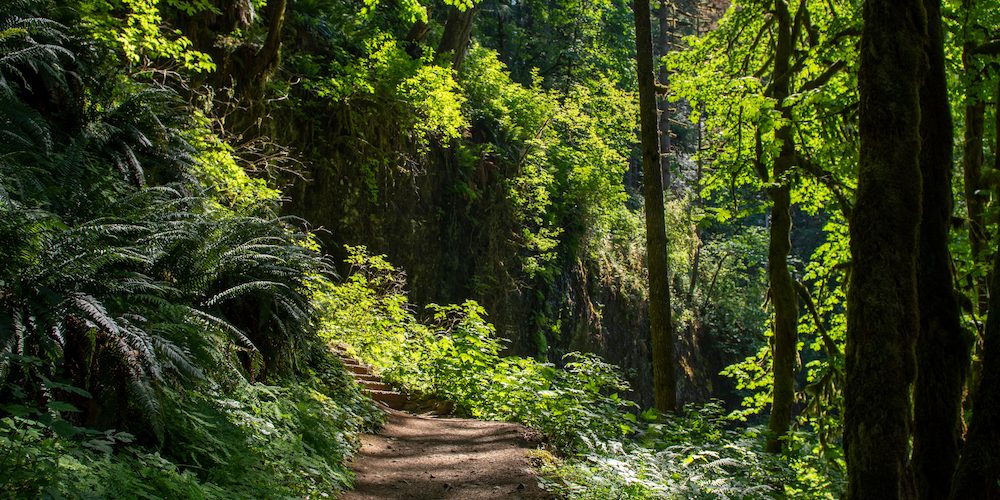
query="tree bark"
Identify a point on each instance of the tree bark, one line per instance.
(972, 169)
(781, 285)
(972, 159)
(660, 323)
(457, 33)
(415, 39)
(882, 314)
(942, 351)
(663, 46)
(979, 468)
(269, 55)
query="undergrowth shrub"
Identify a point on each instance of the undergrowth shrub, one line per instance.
(247, 441)
(456, 355)
(697, 453)
(608, 450)
(156, 333)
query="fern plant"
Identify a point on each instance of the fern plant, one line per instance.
(120, 284)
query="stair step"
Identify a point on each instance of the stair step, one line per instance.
(358, 369)
(375, 385)
(371, 383)
(392, 399)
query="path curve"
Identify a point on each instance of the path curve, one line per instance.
(426, 457)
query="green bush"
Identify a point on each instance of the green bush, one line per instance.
(456, 356)
(156, 333)
(694, 454)
(608, 451)
(249, 441)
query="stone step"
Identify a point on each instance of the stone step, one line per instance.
(348, 361)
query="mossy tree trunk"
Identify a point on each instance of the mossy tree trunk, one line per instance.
(979, 468)
(882, 314)
(781, 285)
(972, 163)
(457, 33)
(942, 352)
(660, 323)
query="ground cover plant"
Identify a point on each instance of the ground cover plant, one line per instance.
(156, 333)
(710, 208)
(604, 446)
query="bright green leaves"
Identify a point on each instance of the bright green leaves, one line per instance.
(413, 10)
(568, 151)
(455, 355)
(726, 76)
(426, 98)
(461, 5)
(140, 35)
(571, 42)
(193, 7)
(217, 169)
(434, 95)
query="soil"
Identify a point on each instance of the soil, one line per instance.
(427, 457)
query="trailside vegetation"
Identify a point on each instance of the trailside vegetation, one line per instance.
(156, 323)
(707, 248)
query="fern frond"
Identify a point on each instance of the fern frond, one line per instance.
(178, 357)
(226, 327)
(243, 288)
(94, 311)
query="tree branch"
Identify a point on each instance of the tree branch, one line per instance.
(990, 48)
(823, 78)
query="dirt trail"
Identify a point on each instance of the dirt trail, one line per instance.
(425, 457)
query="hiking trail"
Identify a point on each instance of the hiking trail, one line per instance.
(428, 457)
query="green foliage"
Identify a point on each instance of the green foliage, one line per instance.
(568, 152)
(425, 98)
(38, 464)
(216, 168)
(694, 454)
(456, 357)
(140, 35)
(147, 292)
(565, 42)
(249, 441)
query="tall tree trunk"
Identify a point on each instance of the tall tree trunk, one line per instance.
(972, 169)
(457, 33)
(972, 161)
(269, 55)
(663, 46)
(781, 285)
(660, 323)
(979, 468)
(882, 315)
(942, 352)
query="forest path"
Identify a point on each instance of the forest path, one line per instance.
(426, 457)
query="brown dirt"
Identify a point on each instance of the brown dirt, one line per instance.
(425, 457)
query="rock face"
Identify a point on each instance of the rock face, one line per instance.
(455, 248)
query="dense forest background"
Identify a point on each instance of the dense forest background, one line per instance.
(198, 197)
